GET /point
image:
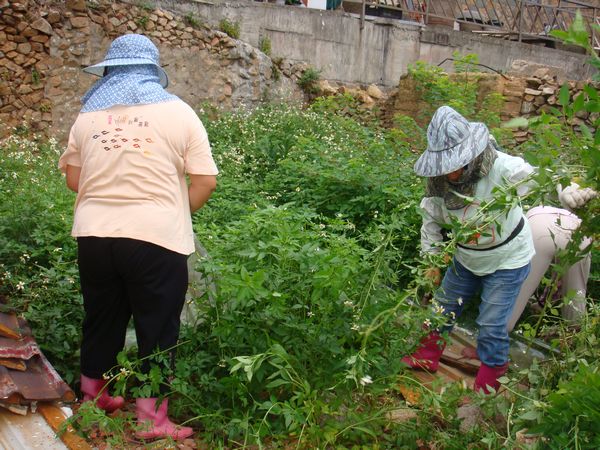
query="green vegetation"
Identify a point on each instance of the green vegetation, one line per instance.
(231, 29)
(264, 44)
(308, 80)
(142, 21)
(313, 284)
(191, 20)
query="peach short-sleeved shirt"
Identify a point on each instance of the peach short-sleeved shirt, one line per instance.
(133, 163)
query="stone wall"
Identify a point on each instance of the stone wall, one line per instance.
(44, 44)
(524, 96)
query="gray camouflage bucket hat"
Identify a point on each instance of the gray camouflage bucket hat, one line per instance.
(129, 50)
(452, 143)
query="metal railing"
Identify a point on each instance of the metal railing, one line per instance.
(514, 19)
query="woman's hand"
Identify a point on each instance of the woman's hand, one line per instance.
(434, 274)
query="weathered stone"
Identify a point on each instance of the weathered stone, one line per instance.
(52, 18)
(132, 25)
(533, 92)
(9, 20)
(374, 92)
(9, 47)
(76, 5)
(533, 82)
(24, 48)
(539, 100)
(548, 90)
(97, 18)
(24, 89)
(227, 90)
(19, 7)
(527, 108)
(30, 33)
(21, 26)
(80, 22)
(114, 21)
(19, 39)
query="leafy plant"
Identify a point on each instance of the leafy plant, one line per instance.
(142, 21)
(264, 44)
(191, 20)
(308, 80)
(232, 29)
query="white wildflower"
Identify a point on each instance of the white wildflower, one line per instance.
(349, 304)
(366, 380)
(20, 286)
(355, 327)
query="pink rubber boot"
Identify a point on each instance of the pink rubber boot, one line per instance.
(91, 387)
(154, 423)
(487, 377)
(428, 354)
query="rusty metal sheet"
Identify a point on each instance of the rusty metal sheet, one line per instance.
(9, 326)
(23, 348)
(40, 382)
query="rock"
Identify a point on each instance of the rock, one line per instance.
(374, 92)
(527, 108)
(533, 83)
(76, 5)
(325, 88)
(24, 48)
(548, 90)
(401, 415)
(469, 416)
(534, 92)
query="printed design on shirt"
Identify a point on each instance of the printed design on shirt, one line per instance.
(117, 138)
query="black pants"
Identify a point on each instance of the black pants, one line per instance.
(123, 277)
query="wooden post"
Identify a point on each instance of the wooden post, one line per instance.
(521, 6)
(362, 15)
(593, 27)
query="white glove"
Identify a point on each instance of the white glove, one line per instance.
(573, 196)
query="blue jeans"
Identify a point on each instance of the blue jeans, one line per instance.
(499, 291)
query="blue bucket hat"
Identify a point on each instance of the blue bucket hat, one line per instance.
(452, 143)
(129, 50)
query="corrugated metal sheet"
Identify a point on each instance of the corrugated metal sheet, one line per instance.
(27, 433)
(26, 376)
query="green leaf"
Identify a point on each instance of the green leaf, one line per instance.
(276, 383)
(517, 122)
(579, 102)
(563, 95)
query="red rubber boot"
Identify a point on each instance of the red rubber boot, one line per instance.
(94, 389)
(428, 354)
(487, 377)
(154, 423)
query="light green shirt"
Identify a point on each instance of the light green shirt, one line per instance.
(518, 252)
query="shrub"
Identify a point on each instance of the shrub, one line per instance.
(308, 80)
(232, 29)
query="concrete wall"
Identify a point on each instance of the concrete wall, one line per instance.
(379, 53)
